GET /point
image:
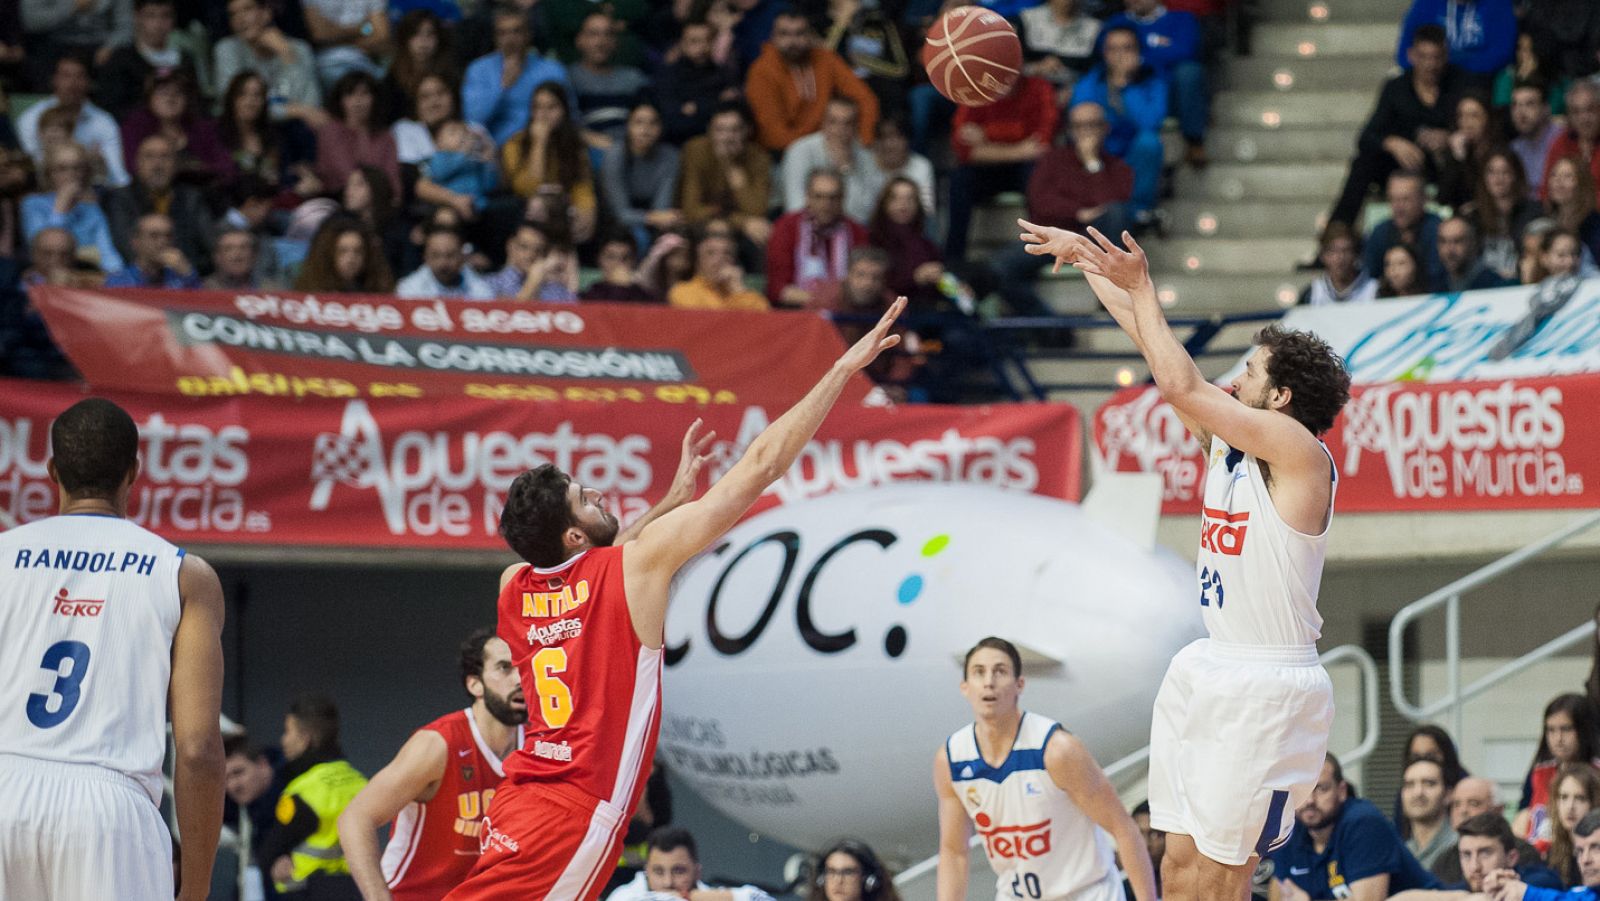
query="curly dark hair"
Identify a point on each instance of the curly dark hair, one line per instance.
(536, 515)
(1316, 378)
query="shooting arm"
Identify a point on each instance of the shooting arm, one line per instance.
(413, 775)
(195, 701)
(1074, 771)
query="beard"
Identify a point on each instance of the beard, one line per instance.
(499, 707)
(604, 532)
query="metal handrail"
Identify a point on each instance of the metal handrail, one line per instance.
(1369, 741)
(1450, 598)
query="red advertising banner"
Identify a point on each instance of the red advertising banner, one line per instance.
(1529, 443)
(433, 473)
(219, 344)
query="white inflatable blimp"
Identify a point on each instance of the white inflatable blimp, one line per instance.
(814, 654)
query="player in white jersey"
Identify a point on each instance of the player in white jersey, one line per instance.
(1241, 722)
(1041, 804)
(104, 629)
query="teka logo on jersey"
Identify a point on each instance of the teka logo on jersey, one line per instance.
(65, 606)
(1014, 842)
(1502, 441)
(1222, 532)
(1149, 432)
(432, 482)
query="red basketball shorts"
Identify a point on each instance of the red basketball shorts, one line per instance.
(546, 842)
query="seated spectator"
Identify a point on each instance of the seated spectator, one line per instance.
(671, 260)
(996, 147)
(1410, 223)
(1487, 847)
(1461, 259)
(689, 89)
(605, 90)
(534, 271)
(155, 262)
(1412, 119)
(619, 274)
(850, 871)
(1570, 201)
(1343, 847)
(286, 64)
(1581, 139)
(1555, 253)
(350, 36)
(54, 260)
(672, 867)
(1535, 132)
(68, 203)
(718, 282)
(1058, 41)
(26, 348)
(1568, 737)
(497, 92)
(1472, 797)
(835, 146)
(1460, 161)
(421, 48)
(895, 159)
(368, 197)
(152, 52)
(354, 134)
(345, 256)
(1483, 34)
(547, 165)
(172, 109)
(250, 209)
(444, 272)
(434, 103)
(1136, 116)
(1170, 43)
(1343, 280)
(1429, 742)
(1530, 67)
(1587, 841)
(280, 154)
(86, 31)
(1575, 792)
(791, 58)
(899, 228)
(639, 178)
(1403, 272)
(454, 169)
(1501, 209)
(248, 776)
(1155, 841)
(807, 254)
(1424, 796)
(94, 128)
(561, 24)
(153, 190)
(724, 174)
(236, 256)
(873, 40)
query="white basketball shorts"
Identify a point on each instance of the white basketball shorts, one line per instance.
(78, 832)
(1236, 744)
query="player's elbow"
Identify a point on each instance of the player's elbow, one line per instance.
(200, 753)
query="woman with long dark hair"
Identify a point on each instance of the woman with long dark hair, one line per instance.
(548, 165)
(279, 153)
(899, 227)
(355, 134)
(1478, 130)
(1574, 793)
(1570, 201)
(1402, 272)
(850, 871)
(1569, 737)
(171, 109)
(368, 197)
(640, 175)
(422, 47)
(1501, 208)
(345, 256)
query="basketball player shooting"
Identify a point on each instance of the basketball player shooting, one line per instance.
(584, 621)
(1241, 721)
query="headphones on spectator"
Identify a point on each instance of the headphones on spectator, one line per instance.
(872, 872)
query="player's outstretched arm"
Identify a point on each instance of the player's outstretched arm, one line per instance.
(1278, 439)
(955, 830)
(194, 702)
(692, 460)
(650, 561)
(412, 775)
(1074, 771)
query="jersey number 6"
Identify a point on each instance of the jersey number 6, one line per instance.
(555, 699)
(69, 660)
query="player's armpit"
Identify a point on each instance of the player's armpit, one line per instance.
(1266, 435)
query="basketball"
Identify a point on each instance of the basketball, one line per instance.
(972, 56)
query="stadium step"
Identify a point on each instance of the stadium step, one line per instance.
(1267, 145)
(1202, 218)
(1315, 40)
(1230, 255)
(1292, 75)
(1329, 11)
(1257, 181)
(1193, 293)
(1278, 109)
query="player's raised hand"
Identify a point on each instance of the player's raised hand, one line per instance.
(696, 453)
(1127, 269)
(1040, 240)
(875, 342)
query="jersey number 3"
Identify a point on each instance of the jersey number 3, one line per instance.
(555, 699)
(69, 661)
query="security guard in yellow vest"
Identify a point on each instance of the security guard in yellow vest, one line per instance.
(302, 852)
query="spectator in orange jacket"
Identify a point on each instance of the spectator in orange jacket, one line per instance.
(789, 85)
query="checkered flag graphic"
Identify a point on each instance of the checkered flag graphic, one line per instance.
(1366, 426)
(340, 458)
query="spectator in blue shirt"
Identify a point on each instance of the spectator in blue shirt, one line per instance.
(1410, 223)
(157, 262)
(1482, 34)
(1344, 847)
(1135, 119)
(498, 88)
(1170, 42)
(70, 205)
(1586, 845)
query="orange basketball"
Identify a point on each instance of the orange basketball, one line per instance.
(972, 56)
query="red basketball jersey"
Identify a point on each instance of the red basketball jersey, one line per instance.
(594, 691)
(433, 844)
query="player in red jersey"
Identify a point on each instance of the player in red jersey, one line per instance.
(584, 618)
(437, 788)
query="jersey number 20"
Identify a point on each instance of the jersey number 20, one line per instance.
(69, 661)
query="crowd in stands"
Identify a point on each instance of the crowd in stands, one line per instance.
(721, 154)
(1486, 146)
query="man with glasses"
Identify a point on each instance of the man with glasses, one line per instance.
(809, 252)
(498, 88)
(156, 262)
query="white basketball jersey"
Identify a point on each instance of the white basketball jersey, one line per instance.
(88, 608)
(1040, 845)
(1258, 577)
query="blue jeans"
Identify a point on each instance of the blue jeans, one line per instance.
(1145, 156)
(971, 184)
(931, 114)
(1190, 100)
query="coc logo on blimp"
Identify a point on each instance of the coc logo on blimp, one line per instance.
(814, 654)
